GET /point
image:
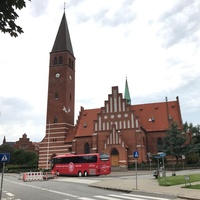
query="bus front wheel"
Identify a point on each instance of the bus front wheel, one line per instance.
(79, 173)
(85, 173)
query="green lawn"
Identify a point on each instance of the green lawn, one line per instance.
(180, 179)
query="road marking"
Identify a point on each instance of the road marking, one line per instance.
(136, 197)
(44, 189)
(77, 180)
(147, 197)
(85, 198)
(104, 197)
(10, 194)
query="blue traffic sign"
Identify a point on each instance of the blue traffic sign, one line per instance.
(4, 157)
(135, 154)
(162, 154)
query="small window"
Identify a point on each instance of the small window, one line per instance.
(60, 60)
(70, 63)
(55, 61)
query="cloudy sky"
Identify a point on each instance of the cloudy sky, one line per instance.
(155, 44)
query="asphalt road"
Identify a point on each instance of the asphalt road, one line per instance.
(64, 188)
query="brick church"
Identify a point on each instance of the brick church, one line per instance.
(117, 128)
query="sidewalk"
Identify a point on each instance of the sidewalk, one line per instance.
(147, 183)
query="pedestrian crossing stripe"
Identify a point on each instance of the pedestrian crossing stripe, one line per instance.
(122, 196)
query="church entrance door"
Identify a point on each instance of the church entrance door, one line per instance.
(114, 158)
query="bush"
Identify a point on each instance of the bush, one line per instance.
(192, 158)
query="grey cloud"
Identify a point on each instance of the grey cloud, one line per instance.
(14, 110)
(121, 16)
(38, 7)
(17, 112)
(180, 23)
(73, 3)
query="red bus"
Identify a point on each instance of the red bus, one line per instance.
(81, 165)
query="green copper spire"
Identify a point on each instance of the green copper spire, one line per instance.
(127, 94)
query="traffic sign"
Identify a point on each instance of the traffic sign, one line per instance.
(135, 154)
(4, 157)
(162, 154)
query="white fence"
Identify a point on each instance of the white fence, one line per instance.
(33, 176)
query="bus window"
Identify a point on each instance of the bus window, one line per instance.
(104, 157)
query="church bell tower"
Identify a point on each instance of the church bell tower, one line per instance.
(61, 97)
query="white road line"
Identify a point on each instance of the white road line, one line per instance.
(147, 197)
(44, 189)
(77, 180)
(10, 194)
(104, 197)
(85, 198)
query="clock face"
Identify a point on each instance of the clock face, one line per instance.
(57, 75)
(70, 77)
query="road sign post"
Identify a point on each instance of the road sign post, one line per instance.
(136, 155)
(4, 158)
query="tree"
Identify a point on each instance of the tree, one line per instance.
(22, 157)
(8, 16)
(176, 142)
(194, 131)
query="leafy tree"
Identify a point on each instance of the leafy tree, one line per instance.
(194, 131)
(176, 142)
(8, 16)
(6, 148)
(22, 157)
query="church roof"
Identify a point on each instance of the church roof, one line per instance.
(85, 126)
(63, 41)
(157, 116)
(152, 117)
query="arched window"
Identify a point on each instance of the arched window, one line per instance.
(160, 144)
(86, 148)
(60, 60)
(114, 152)
(70, 63)
(55, 61)
(56, 95)
(55, 120)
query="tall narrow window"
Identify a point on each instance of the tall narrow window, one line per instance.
(55, 61)
(60, 60)
(86, 148)
(56, 95)
(70, 62)
(55, 120)
(70, 97)
(160, 144)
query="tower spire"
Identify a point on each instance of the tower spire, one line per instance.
(63, 41)
(127, 94)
